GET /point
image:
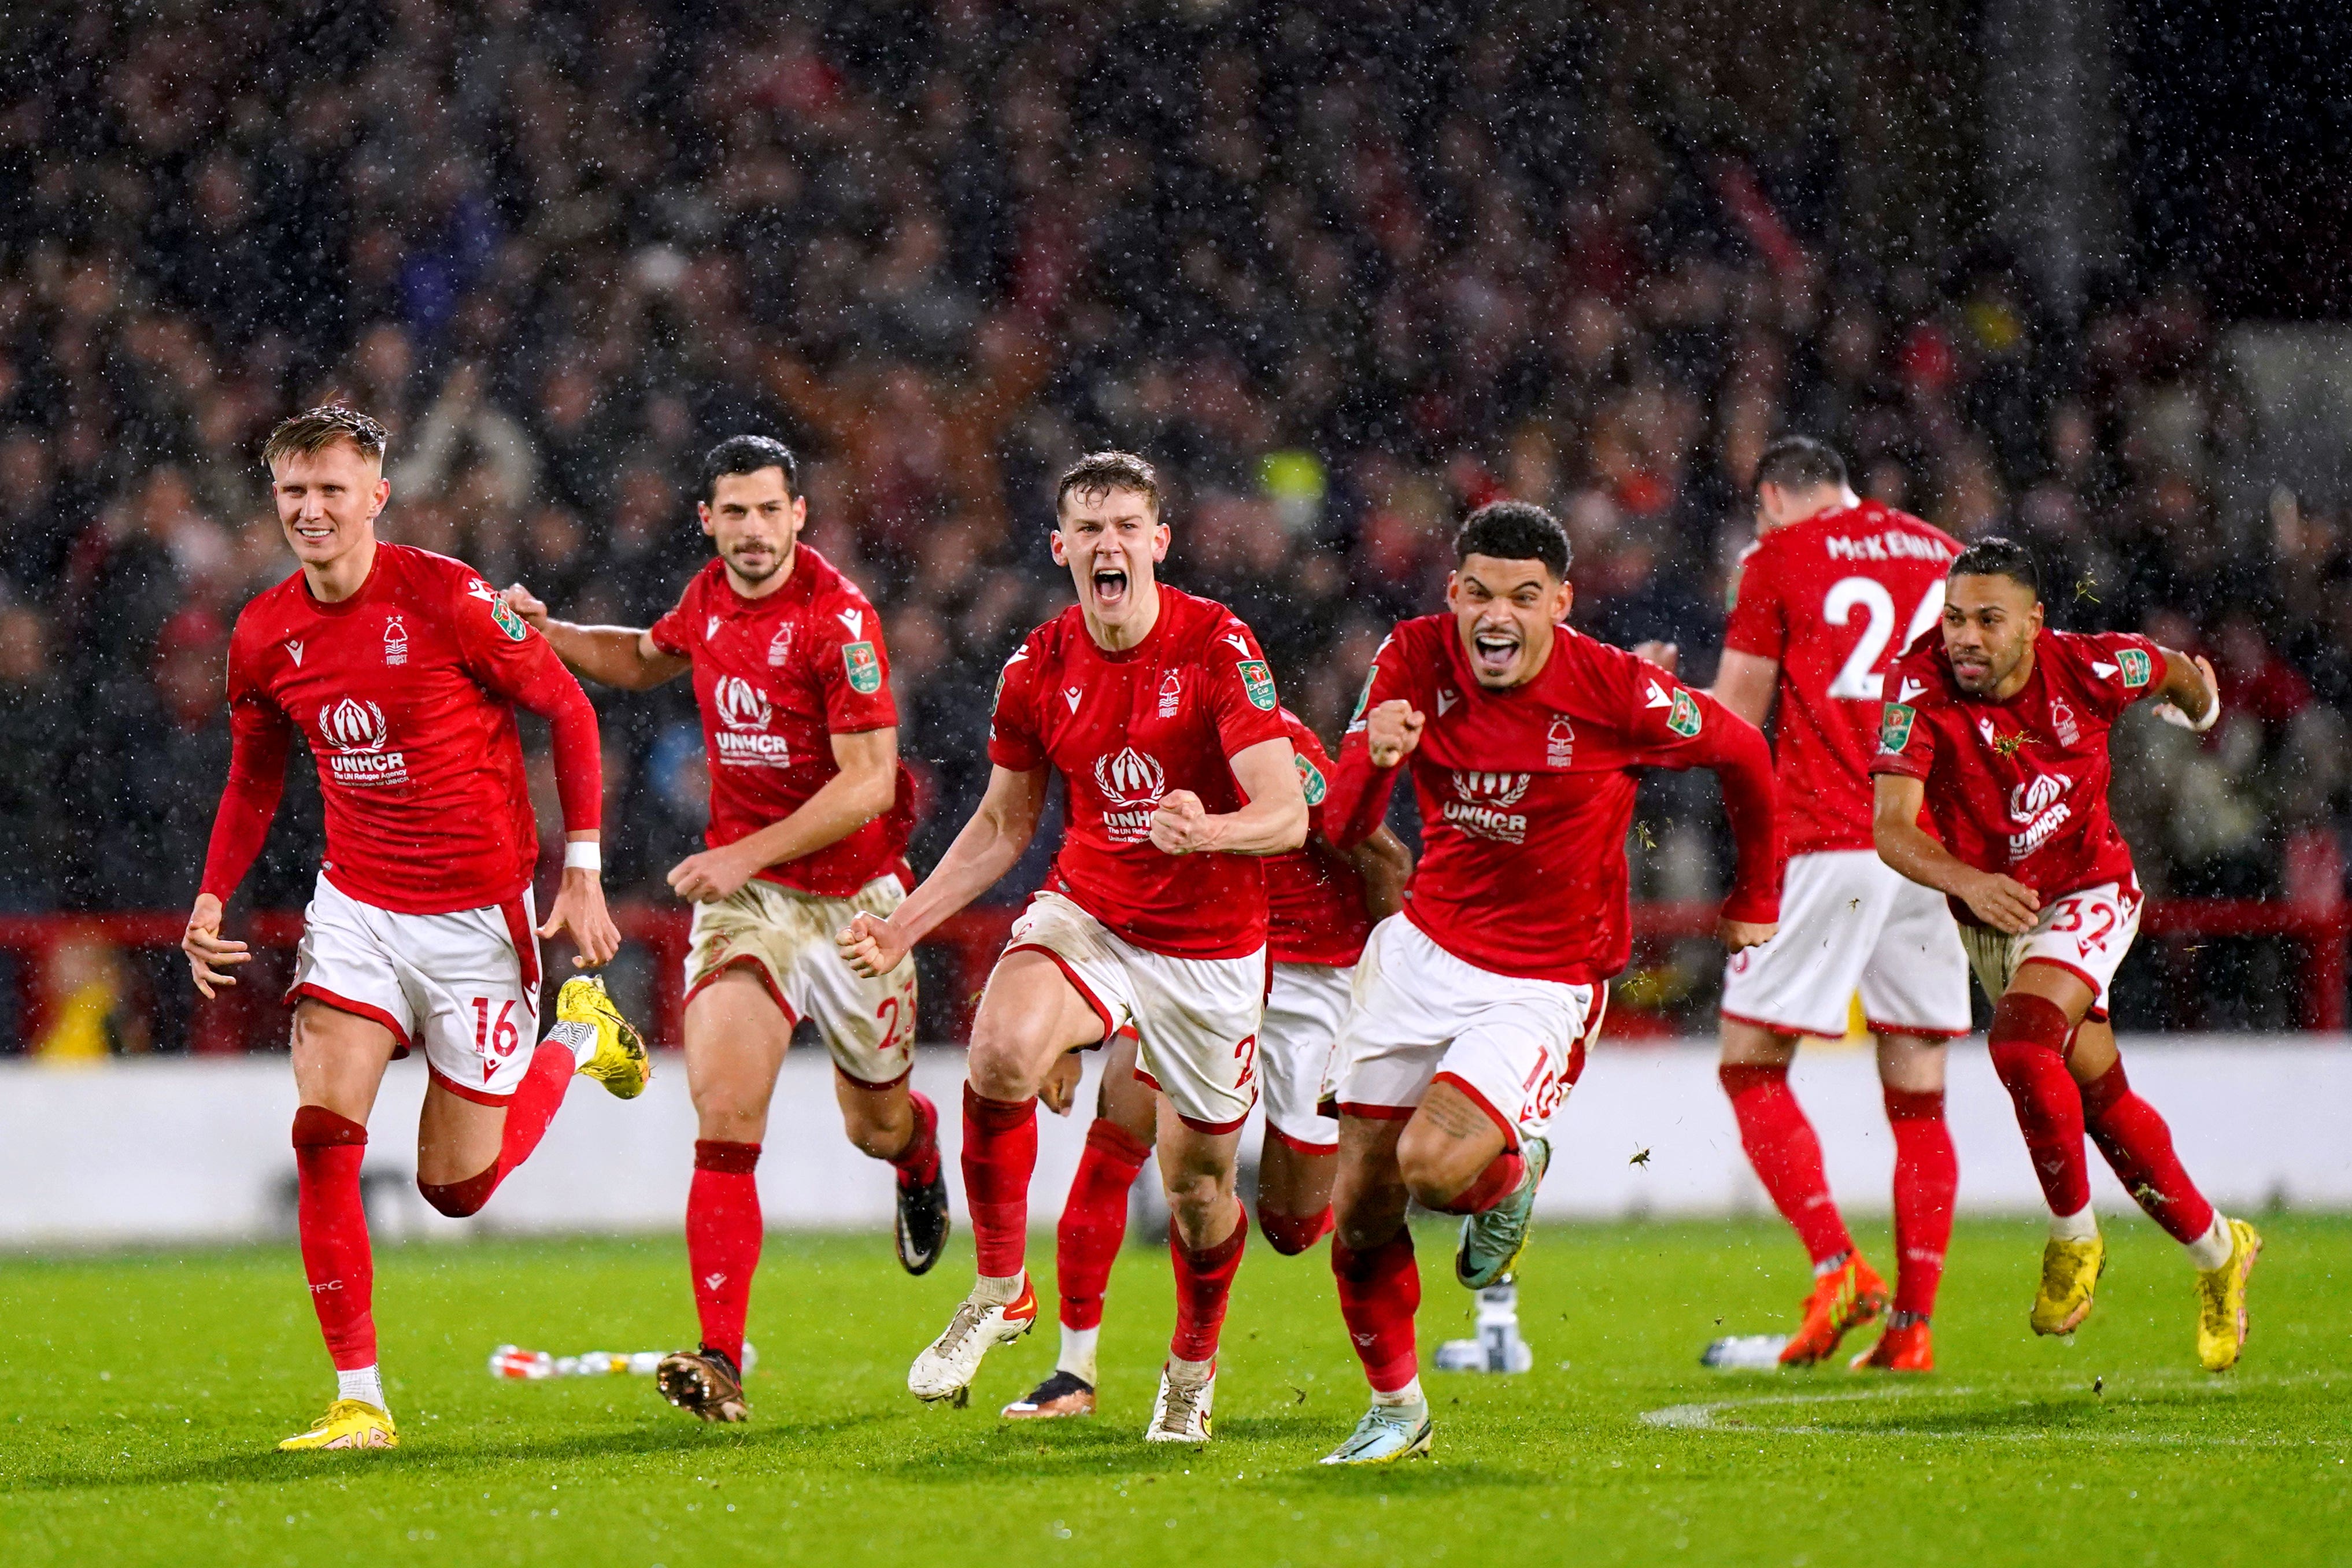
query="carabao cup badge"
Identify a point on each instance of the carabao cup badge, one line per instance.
(865, 667)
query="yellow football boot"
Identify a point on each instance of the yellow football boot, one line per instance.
(348, 1423)
(2070, 1272)
(2222, 1300)
(584, 1018)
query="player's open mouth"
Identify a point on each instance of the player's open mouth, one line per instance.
(322, 530)
(1111, 586)
(1493, 652)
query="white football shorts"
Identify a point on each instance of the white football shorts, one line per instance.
(786, 938)
(2086, 933)
(467, 983)
(1849, 921)
(1515, 1047)
(1304, 1010)
(1195, 1019)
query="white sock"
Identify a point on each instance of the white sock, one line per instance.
(1829, 1265)
(1000, 1291)
(2079, 1226)
(1410, 1393)
(1078, 1356)
(364, 1383)
(2212, 1249)
(1183, 1371)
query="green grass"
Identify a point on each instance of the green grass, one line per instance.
(143, 1394)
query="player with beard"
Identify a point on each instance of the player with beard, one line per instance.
(402, 670)
(1158, 711)
(1320, 905)
(810, 814)
(1824, 601)
(1998, 727)
(1475, 1006)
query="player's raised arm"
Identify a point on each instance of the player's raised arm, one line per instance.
(2188, 695)
(1273, 822)
(260, 737)
(610, 656)
(999, 829)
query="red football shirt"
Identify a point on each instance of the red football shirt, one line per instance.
(1315, 910)
(776, 678)
(2021, 787)
(405, 692)
(1526, 796)
(1835, 599)
(1123, 729)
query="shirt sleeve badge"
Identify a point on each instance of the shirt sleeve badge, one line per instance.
(508, 621)
(1684, 718)
(865, 667)
(1895, 727)
(1257, 681)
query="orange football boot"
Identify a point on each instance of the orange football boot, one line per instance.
(1904, 1347)
(1844, 1299)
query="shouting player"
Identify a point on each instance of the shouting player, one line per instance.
(1831, 594)
(810, 814)
(1999, 727)
(1475, 1006)
(1320, 905)
(1158, 713)
(402, 670)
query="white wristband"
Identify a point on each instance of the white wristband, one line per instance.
(584, 854)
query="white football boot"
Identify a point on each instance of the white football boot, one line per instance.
(1181, 1410)
(942, 1374)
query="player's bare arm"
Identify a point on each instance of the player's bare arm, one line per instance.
(579, 908)
(865, 787)
(1392, 731)
(1273, 822)
(210, 954)
(2189, 696)
(999, 829)
(2001, 902)
(1385, 865)
(1746, 683)
(610, 656)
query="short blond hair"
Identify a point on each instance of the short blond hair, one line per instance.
(314, 430)
(1098, 473)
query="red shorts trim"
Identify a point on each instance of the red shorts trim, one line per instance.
(1299, 1146)
(2097, 1014)
(463, 1092)
(1774, 1025)
(1214, 1128)
(526, 946)
(1376, 1112)
(1080, 987)
(855, 1083)
(1876, 1027)
(325, 997)
(767, 983)
(1510, 1133)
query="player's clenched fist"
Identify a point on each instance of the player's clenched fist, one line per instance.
(2003, 903)
(1737, 936)
(207, 952)
(1392, 731)
(526, 603)
(1181, 825)
(872, 946)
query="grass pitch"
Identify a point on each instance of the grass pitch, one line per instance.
(143, 1394)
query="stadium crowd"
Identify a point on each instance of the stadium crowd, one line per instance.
(1341, 278)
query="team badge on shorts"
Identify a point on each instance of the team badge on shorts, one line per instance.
(1684, 718)
(1310, 779)
(1894, 727)
(2133, 664)
(508, 621)
(865, 668)
(1258, 682)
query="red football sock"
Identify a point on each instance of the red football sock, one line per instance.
(1785, 1155)
(532, 1107)
(1379, 1291)
(332, 1224)
(2029, 1054)
(1094, 1221)
(1926, 1175)
(722, 1240)
(1292, 1234)
(917, 1164)
(1204, 1283)
(1498, 1181)
(1000, 1153)
(2138, 1147)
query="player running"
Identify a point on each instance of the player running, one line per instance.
(402, 670)
(810, 814)
(1474, 1008)
(1999, 727)
(1158, 713)
(1819, 601)
(1320, 905)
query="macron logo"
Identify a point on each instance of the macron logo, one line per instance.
(1446, 701)
(1241, 643)
(1910, 689)
(1657, 697)
(294, 650)
(710, 628)
(852, 620)
(1072, 693)
(2102, 670)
